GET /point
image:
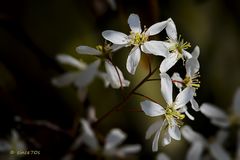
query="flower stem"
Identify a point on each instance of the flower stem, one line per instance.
(142, 95)
(119, 105)
(154, 79)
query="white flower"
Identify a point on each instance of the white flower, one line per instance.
(199, 144)
(216, 115)
(162, 156)
(112, 141)
(81, 78)
(171, 113)
(176, 46)
(139, 40)
(220, 118)
(192, 74)
(114, 75)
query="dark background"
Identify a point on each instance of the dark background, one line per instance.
(33, 32)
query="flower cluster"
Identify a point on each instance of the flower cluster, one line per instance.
(140, 40)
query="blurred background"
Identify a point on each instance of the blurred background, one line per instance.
(32, 33)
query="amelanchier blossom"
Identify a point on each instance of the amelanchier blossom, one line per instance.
(112, 141)
(114, 75)
(199, 144)
(176, 46)
(162, 156)
(172, 114)
(219, 118)
(191, 78)
(139, 39)
(80, 78)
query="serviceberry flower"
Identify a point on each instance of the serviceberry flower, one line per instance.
(80, 78)
(162, 156)
(191, 78)
(172, 114)
(176, 46)
(199, 144)
(112, 141)
(139, 39)
(221, 119)
(114, 75)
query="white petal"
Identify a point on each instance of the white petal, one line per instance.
(195, 151)
(65, 79)
(115, 37)
(196, 52)
(156, 28)
(153, 128)
(134, 23)
(166, 139)
(188, 114)
(155, 47)
(89, 137)
(152, 109)
(184, 97)
(155, 141)
(128, 149)
(169, 45)
(171, 29)
(168, 62)
(87, 50)
(87, 76)
(190, 135)
(116, 47)
(66, 59)
(192, 66)
(236, 101)
(221, 136)
(105, 78)
(214, 113)
(186, 54)
(218, 152)
(115, 75)
(133, 60)
(114, 138)
(177, 77)
(220, 122)
(194, 104)
(166, 88)
(174, 132)
(162, 156)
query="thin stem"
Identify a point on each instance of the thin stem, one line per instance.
(142, 95)
(154, 79)
(119, 105)
(129, 110)
(149, 64)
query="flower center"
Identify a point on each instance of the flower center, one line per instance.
(192, 81)
(138, 38)
(171, 114)
(178, 46)
(105, 50)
